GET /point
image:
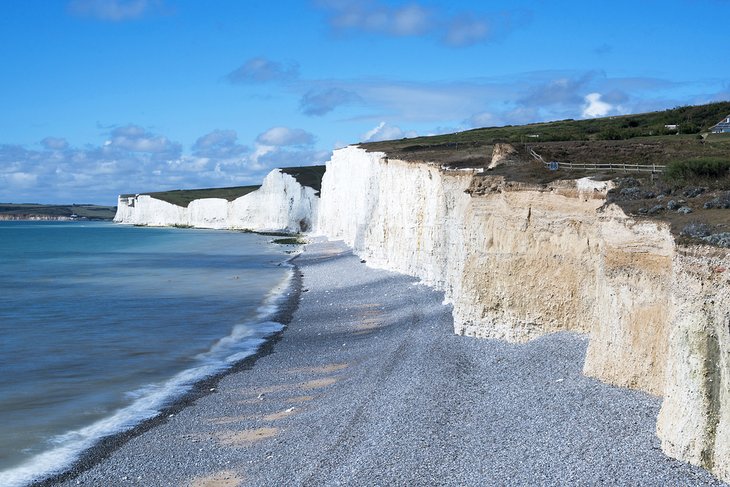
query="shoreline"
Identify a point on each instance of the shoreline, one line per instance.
(287, 305)
(369, 386)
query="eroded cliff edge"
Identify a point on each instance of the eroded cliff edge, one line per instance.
(518, 261)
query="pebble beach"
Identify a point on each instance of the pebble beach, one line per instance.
(368, 385)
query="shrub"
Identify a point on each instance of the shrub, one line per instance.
(704, 168)
(696, 230)
(721, 201)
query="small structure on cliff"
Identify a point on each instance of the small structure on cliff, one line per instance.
(723, 127)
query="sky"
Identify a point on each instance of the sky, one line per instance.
(101, 97)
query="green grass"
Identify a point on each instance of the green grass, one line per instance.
(183, 197)
(692, 120)
(306, 176)
(701, 171)
(289, 241)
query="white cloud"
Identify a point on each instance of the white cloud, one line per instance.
(284, 136)
(113, 10)
(134, 138)
(595, 107)
(320, 101)
(54, 143)
(219, 144)
(414, 19)
(383, 131)
(466, 30)
(21, 179)
(262, 70)
(408, 20)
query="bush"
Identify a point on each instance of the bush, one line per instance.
(696, 230)
(721, 201)
(704, 168)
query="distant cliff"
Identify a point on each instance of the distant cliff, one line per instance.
(281, 203)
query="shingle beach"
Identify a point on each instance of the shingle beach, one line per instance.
(368, 385)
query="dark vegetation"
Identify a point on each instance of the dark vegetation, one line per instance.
(691, 121)
(307, 175)
(88, 212)
(702, 170)
(183, 197)
(289, 241)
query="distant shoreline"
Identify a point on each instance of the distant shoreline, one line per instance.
(38, 212)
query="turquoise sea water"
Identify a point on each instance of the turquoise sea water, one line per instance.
(101, 325)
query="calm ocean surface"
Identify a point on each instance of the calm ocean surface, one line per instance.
(101, 325)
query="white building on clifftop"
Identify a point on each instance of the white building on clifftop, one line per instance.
(723, 127)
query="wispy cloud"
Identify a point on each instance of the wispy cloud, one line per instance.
(114, 10)
(416, 20)
(285, 136)
(320, 101)
(220, 144)
(385, 131)
(134, 138)
(262, 70)
(54, 143)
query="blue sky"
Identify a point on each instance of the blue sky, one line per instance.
(100, 97)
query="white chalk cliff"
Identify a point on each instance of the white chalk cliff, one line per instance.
(518, 261)
(281, 203)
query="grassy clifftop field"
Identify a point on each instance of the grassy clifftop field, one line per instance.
(691, 191)
(657, 137)
(306, 176)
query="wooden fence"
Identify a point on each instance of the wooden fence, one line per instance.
(599, 166)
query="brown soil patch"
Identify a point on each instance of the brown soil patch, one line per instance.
(637, 261)
(226, 478)
(323, 369)
(318, 383)
(246, 437)
(280, 415)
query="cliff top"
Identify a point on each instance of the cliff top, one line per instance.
(183, 197)
(307, 175)
(692, 194)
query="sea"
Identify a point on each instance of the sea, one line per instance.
(104, 325)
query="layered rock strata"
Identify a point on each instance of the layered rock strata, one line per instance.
(518, 261)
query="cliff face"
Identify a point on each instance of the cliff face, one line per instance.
(281, 203)
(519, 261)
(694, 422)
